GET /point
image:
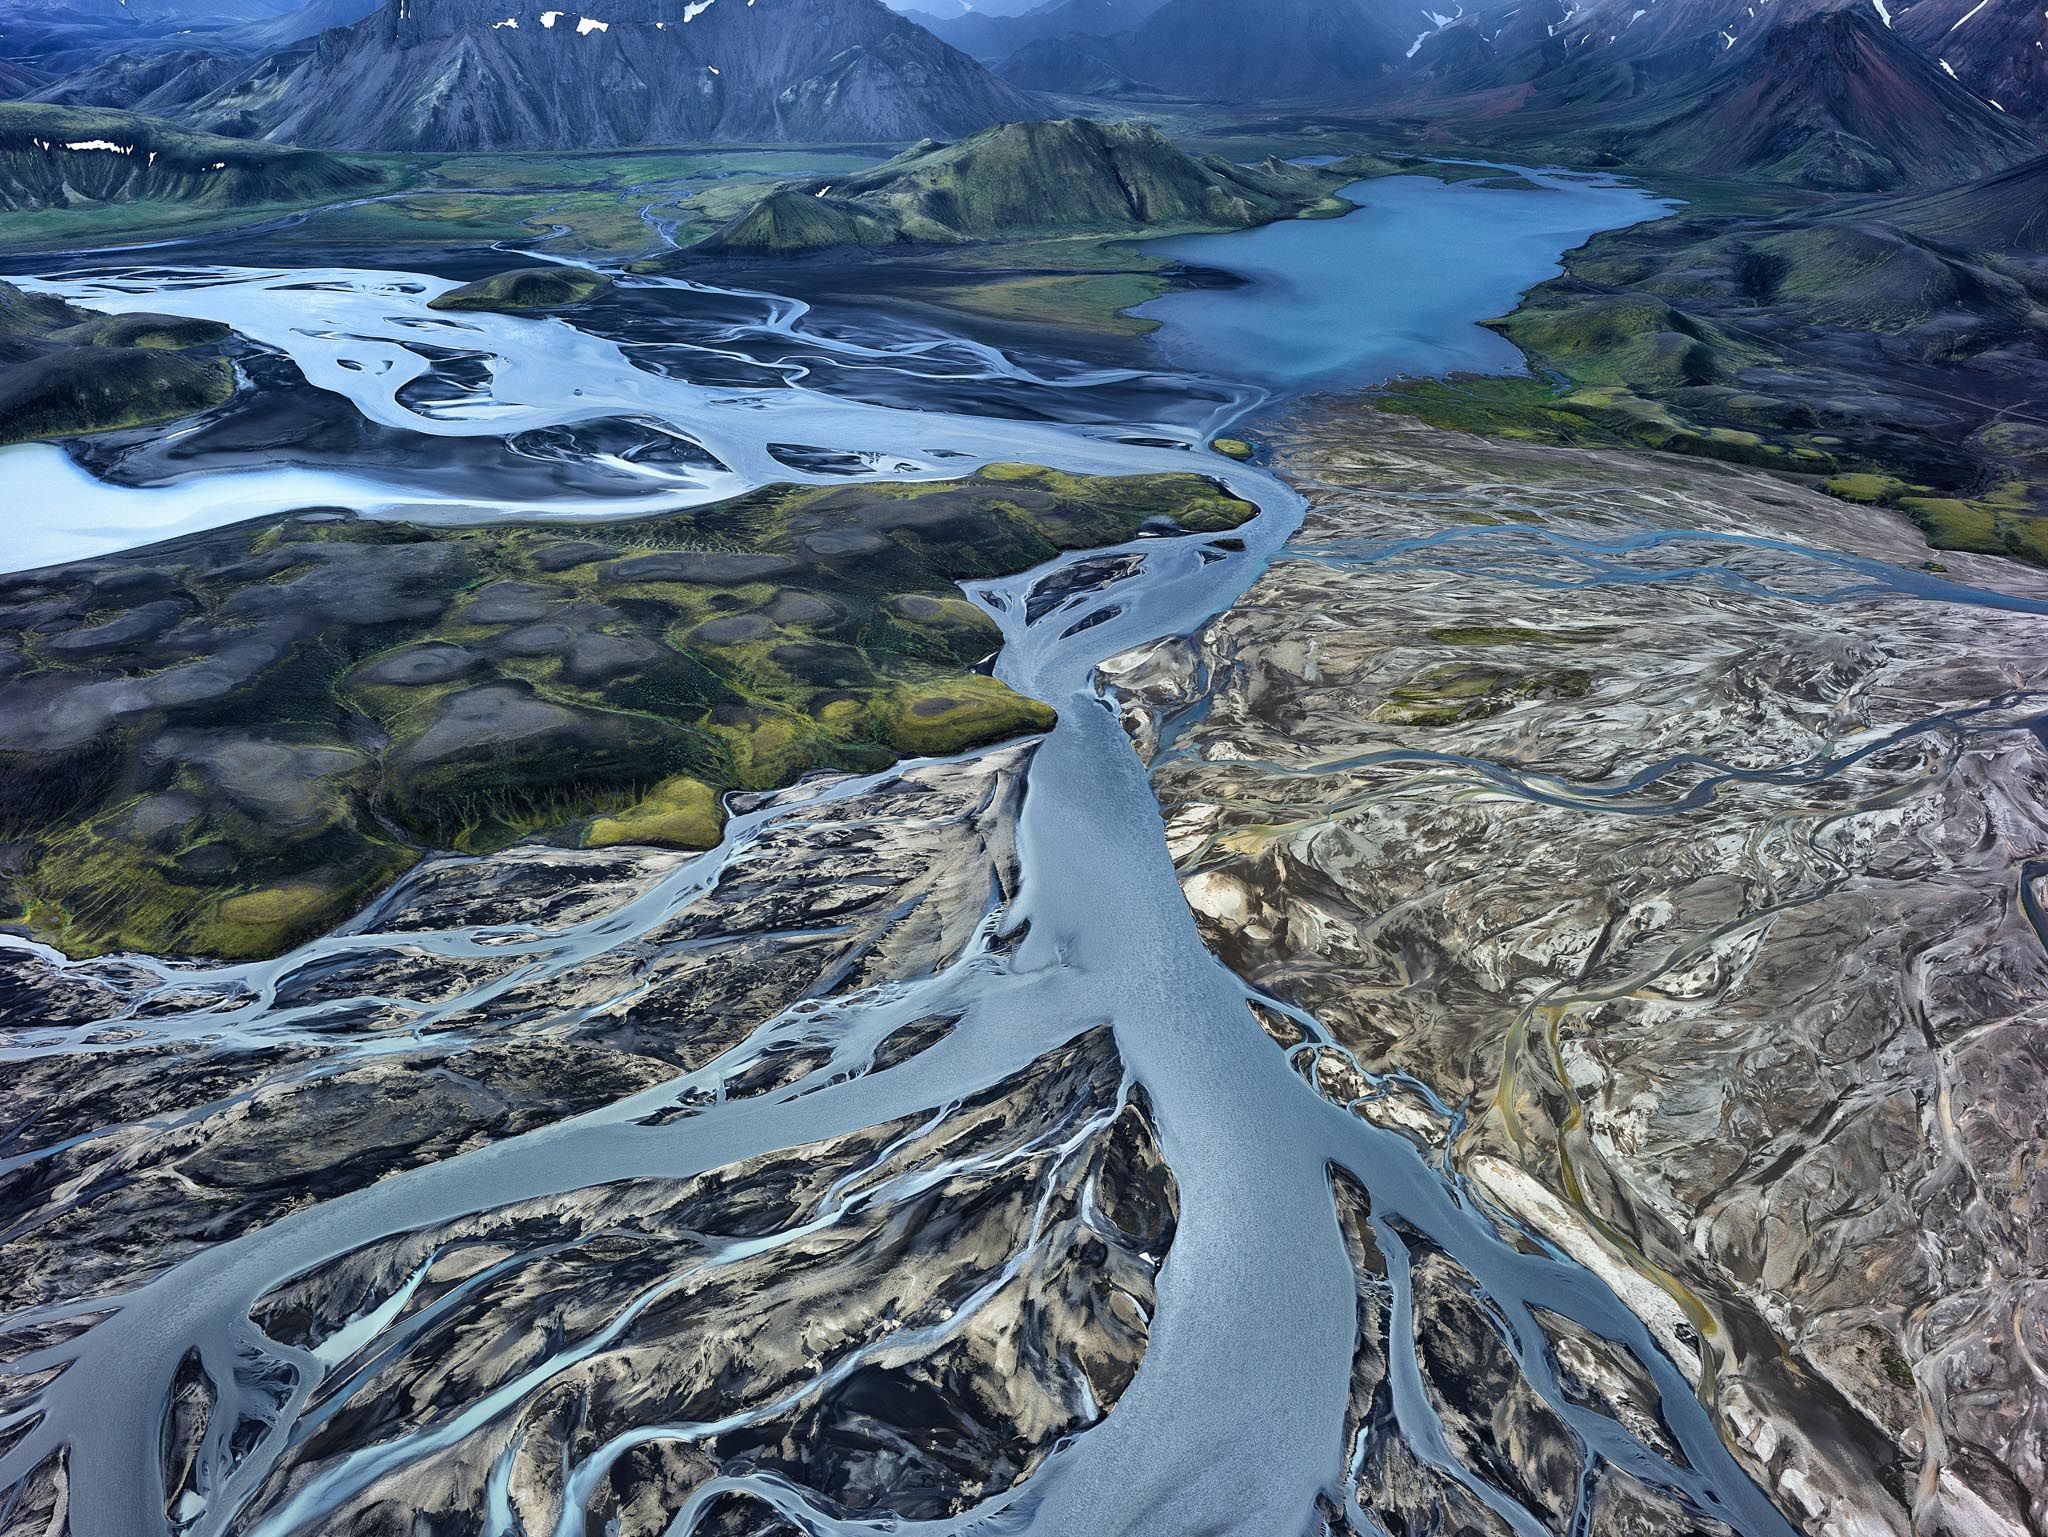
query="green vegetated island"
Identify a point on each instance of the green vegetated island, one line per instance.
(526, 289)
(65, 371)
(225, 744)
(1071, 175)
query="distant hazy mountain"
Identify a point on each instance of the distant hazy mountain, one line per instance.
(1208, 50)
(51, 39)
(158, 81)
(515, 74)
(1076, 64)
(1277, 50)
(143, 13)
(18, 79)
(1834, 100)
(995, 35)
(113, 54)
(950, 8)
(301, 22)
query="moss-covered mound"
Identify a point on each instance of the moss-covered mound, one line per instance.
(526, 288)
(100, 389)
(65, 371)
(225, 744)
(1025, 179)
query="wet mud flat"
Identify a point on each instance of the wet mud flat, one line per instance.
(1661, 852)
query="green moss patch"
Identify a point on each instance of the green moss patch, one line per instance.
(680, 813)
(2003, 523)
(1866, 489)
(936, 718)
(1456, 692)
(1514, 635)
(226, 743)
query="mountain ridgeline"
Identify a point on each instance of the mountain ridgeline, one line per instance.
(1020, 179)
(520, 75)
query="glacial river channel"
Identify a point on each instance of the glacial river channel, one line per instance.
(1234, 1422)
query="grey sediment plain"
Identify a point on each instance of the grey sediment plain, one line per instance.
(1680, 834)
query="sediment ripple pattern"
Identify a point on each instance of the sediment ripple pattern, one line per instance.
(1664, 858)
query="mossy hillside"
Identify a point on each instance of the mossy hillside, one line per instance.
(66, 371)
(153, 161)
(227, 743)
(938, 717)
(793, 219)
(525, 289)
(1023, 179)
(679, 813)
(1831, 341)
(102, 389)
(2006, 211)
(2009, 519)
(600, 203)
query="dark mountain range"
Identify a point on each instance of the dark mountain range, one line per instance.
(1995, 47)
(1827, 95)
(1833, 100)
(1023, 179)
(1773, 88)
(512, 74)
(1565, 55)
